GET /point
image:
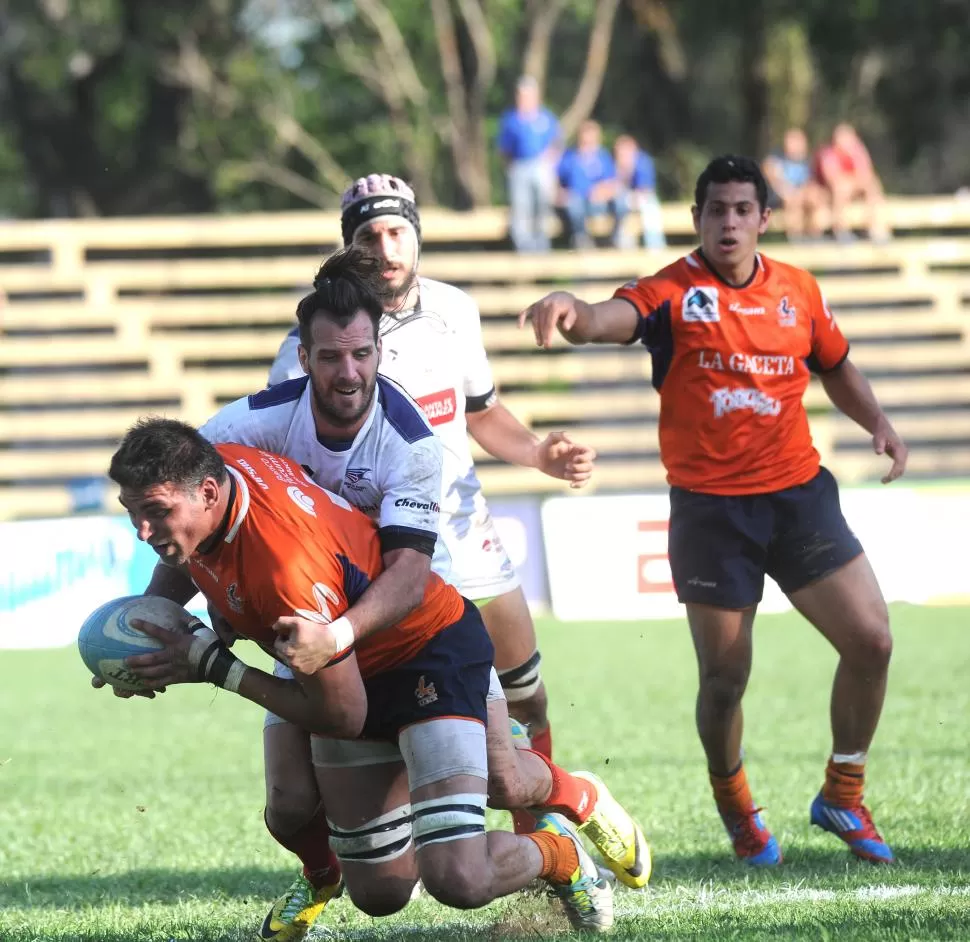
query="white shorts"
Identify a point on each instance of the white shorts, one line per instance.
(480, 568)
(495, 692)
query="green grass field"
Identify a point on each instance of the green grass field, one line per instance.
(142, 820)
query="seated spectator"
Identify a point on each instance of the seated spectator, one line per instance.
(529, 141)
(790, 176)
(845, 169)
(637, 190)
(588, 186)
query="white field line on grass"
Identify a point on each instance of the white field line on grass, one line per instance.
(647, 904)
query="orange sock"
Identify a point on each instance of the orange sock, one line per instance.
(559, 857)
(571, 797)
(542, 742)
(844, 782)
(731, 792)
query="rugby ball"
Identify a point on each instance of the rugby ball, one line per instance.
(107, 637)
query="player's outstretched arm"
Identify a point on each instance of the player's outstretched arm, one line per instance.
(611, 321)
(504, 437)
(852, 395)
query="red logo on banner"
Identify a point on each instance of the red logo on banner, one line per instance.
(647, 568)
(439, 407)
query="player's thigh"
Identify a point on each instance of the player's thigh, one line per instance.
(450, 842)
(717, 547)
(509, 624)
(848, 608)
(723, 644)
(365, 790)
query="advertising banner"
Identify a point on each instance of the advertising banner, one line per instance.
(607, 556)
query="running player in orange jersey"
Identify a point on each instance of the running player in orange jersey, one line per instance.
(733, 336)
(278, 556)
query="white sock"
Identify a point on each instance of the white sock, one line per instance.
(854, 758)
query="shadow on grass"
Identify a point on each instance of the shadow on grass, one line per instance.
(820, 867)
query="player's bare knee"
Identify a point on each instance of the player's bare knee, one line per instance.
(533, 710)
(454, 881)
(287, 811)
(506, 787)
(873, 648)
(723, 688)
(382, 897)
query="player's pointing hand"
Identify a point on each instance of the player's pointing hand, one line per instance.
(554, 311)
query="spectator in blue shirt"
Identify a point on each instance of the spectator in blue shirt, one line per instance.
(588, 186)
(637, 188)
(790, 175)
(529, 141)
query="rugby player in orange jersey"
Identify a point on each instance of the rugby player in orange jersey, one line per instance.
(278, 556)
(733, 336)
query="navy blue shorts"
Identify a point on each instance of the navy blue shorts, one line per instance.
(720, 547)
(449, 676)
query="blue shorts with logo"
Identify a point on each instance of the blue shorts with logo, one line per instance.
(449, 676)
(721, 547)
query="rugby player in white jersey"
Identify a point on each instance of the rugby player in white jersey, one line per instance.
(359, 435)
(432, 343)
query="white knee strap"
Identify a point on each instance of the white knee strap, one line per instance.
(378, 841)
(449, 818)
(523, 681)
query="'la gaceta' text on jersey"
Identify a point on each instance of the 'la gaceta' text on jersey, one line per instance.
(731, 364)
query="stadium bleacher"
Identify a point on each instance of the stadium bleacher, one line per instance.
(106, 320)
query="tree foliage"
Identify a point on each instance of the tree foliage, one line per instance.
(134, 106)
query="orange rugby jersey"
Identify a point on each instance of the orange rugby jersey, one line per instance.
(731, 365)
(292, 547)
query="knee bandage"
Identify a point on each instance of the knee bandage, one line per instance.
(378, 841)
(449, 818)
(520, 683)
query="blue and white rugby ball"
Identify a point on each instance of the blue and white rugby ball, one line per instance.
(106, 638)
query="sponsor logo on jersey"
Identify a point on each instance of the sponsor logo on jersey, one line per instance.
(736, 308)
(700, 305)
(786, 313)
(323, 598)
(234, 599)
(251, 471)
(417, 504)
(753, 364)
(425, 693)
(354, 476)
(302, 500)
(439, 407)
(754, 400)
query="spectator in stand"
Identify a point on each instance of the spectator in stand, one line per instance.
(845, 169)
(529, 141)
(588, 186)
(637, 189)
(790, 176)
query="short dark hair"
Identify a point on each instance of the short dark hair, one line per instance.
(731, 169)
(347, 282)
(158, 451)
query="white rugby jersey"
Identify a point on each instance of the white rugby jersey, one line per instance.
(391, 470)
(436, 353)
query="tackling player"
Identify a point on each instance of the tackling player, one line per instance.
(270, 550)
(733, 336)
(432, 346)
(357, 434)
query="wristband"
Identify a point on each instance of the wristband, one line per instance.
(214, 662)
(342, 632)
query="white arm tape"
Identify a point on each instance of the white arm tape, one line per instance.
(342, 632)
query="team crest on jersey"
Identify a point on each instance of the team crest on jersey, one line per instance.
(234, 599)
(425, 693)
(786, 313)
(303, 501)
(354, 476)
(700, 305)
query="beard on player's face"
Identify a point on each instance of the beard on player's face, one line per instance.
(344, 401)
